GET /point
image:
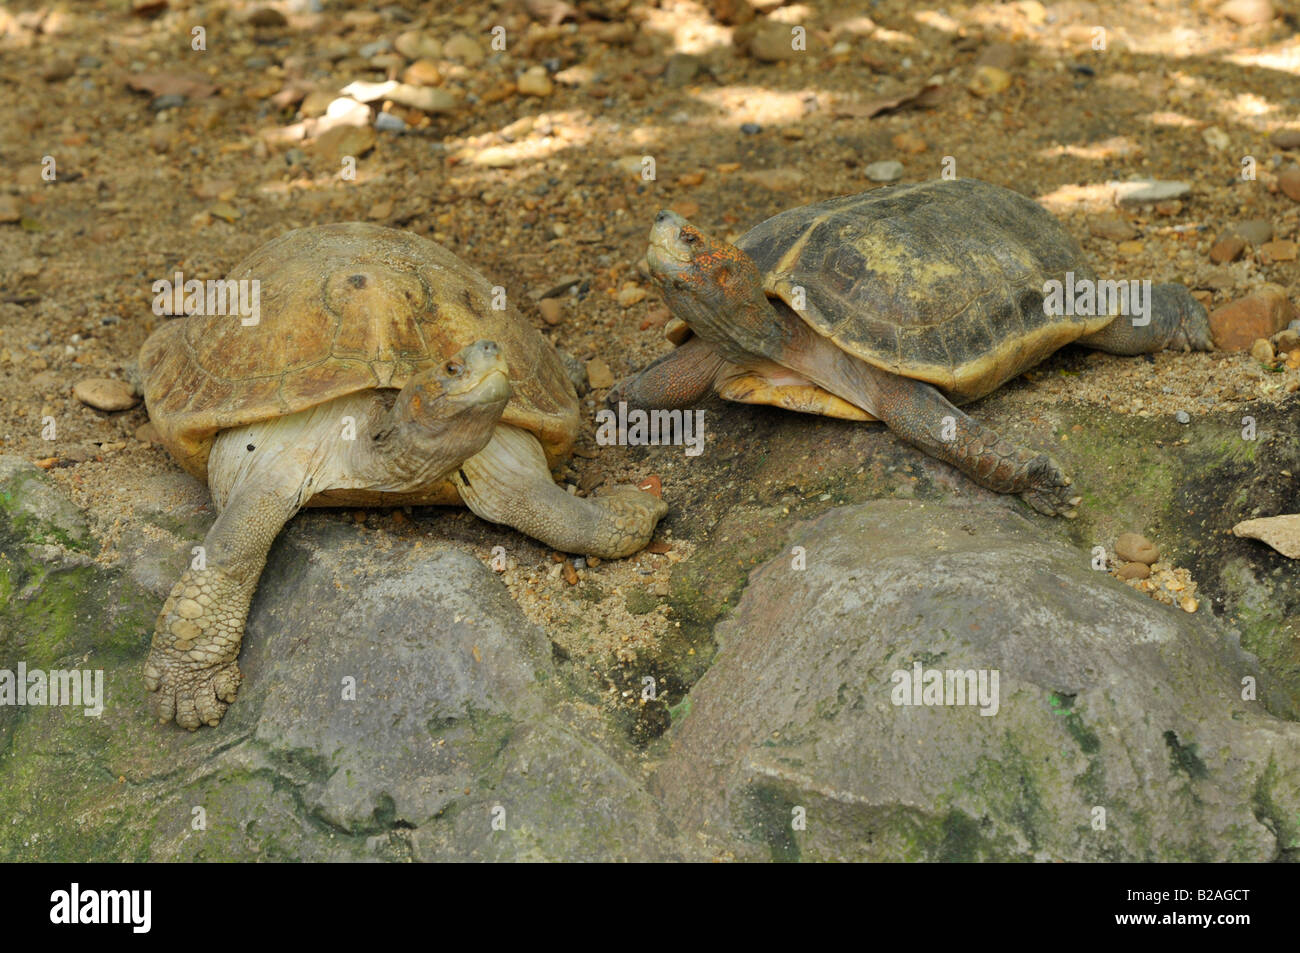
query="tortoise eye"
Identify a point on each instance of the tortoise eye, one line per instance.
(453, 368)
(689, 238)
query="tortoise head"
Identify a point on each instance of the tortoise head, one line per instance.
(708, 283)
(470, 387)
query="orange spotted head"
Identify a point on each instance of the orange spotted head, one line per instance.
(686, 263)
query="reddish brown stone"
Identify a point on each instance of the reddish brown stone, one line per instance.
(1134, 571)
(1227, 249)
(1239, 324)
(1289, 182)
(1279, 251)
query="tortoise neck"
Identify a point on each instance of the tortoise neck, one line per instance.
(738, 319)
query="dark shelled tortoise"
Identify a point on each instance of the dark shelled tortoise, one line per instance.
(893, 305)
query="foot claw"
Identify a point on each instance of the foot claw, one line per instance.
(190, 694)
(1048, 489)
(631, 517)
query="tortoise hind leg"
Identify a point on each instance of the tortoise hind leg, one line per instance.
(1177, 322)
(923, 417)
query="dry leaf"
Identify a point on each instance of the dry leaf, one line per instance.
(189, 85)
(924, 98)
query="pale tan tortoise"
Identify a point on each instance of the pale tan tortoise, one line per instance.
(894, 305)
(378, 374)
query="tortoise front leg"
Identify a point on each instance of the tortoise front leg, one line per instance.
(508, 482)
(917, 412)
(192, 669)
(681, 378)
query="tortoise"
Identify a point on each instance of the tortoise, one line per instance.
(893, 305)
(377, 373)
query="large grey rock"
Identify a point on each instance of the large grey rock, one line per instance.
(396, 705)
(450, 721)
(1108, 701)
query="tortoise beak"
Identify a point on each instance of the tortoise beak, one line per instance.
(485, 373)
(667, 253)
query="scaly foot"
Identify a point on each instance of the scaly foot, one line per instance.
(1049, 490)
(192, 669)
(628, 522)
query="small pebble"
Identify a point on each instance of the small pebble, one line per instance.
(387, 122)
(374, 49)
(535, 82)
(1216, 138)
(630, 295)
(418, 45)
(1149, 191)
(1262, 351)
(463, 48)
(552, 310)
(988, 81)
(1256, 231)
(58, 70)
(167, 101)
(1134, 548)
(1280, 532)
(422, 73)
(906, 142)
(771, 43)
(681, 69)
(427, 99)
(599, 376)
(342, 141)
(1227, 249)
(1134, 571)
(1279, 250)
(266, 18)
(1112, 227)
(1287, 340)
(1289, 183)
(103, 393)
(1247, 12)
(1183, 417)
(889, 170)
(750, 128)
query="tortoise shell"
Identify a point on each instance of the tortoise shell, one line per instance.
(942, 281)
(343, 308)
